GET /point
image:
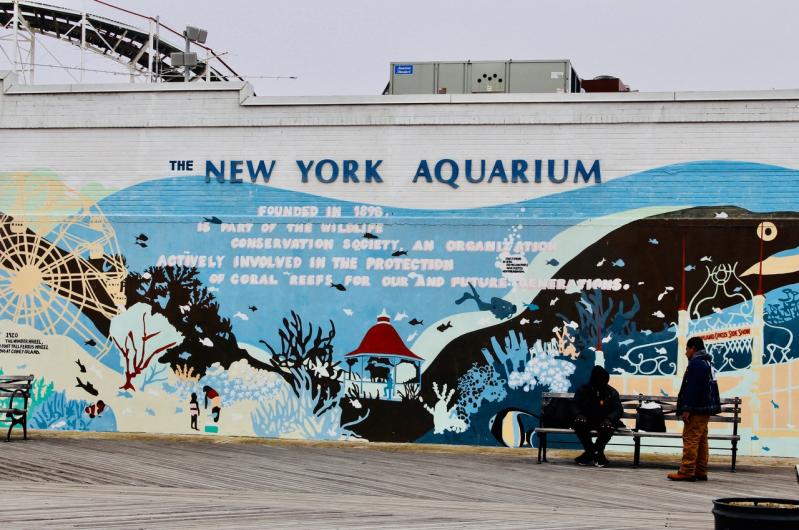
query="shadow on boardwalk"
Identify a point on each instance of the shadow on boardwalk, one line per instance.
(121, 481)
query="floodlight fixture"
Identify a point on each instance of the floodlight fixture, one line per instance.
(188, 59)
(195, 34)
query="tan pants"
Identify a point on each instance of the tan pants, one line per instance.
(694, 446)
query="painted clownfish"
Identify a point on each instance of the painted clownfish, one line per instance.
(95, 409)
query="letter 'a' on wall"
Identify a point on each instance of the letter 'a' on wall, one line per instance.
(390, 271)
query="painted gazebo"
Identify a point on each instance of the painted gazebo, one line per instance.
(382, 366)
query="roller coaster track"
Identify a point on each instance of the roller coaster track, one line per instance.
(144, 52)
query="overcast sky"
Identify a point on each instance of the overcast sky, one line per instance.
(345, 46)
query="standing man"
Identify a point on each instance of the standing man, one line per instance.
(697, 401)
(598, 408)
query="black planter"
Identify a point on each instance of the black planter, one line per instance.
(745, 513)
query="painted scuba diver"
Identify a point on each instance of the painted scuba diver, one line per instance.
(499, 308)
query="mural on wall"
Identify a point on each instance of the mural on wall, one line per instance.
(251, 310)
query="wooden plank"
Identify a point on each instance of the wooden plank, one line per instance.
(116, 482)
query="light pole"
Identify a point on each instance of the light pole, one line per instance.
(188, 59)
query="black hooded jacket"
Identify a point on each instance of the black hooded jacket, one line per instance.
(597, 400)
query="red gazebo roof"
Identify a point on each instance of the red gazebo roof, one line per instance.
(383, 339)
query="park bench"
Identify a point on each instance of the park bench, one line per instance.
(730, 413)
(17, 389)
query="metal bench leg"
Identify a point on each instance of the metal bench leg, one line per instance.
(539, 447)
(734, 455)
(544, 444)
(637, 453)
(25, 426)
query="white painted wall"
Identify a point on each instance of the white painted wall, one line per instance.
(121, 134)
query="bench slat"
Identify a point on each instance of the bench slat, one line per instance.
(642, 434)
(11, 378)
(643, 397)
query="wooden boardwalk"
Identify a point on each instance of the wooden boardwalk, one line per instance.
(149, 482)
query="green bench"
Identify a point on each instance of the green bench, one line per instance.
(17, 389)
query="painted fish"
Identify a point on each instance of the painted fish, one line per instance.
(600, 262)
(95, 409)
(618, 263)
(338, 286)
(213, 220)
(587, 305)
(444, 327)
(553, 262)
(397, 253)
(368, 235)
(775, 404)
(415, 322)
(524, 321)
(705, 258)
(689, 268)
(721, 215)
(625, 342)
(532, 307)
(499, 308)
(87, 386)
(658, 314)
(653, 241)
(512, 427)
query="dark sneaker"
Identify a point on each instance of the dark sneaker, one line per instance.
(600, 460)
(584, 460)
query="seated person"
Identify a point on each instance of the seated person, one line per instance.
(597, 407)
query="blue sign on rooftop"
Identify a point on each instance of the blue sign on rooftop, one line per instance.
(403, 69)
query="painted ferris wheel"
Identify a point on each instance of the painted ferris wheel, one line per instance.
(61, 270)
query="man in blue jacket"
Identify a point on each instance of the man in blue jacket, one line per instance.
(697, 401)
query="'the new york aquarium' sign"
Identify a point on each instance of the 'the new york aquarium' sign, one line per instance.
(447, 171)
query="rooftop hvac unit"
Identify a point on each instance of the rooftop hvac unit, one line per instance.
(516, 77)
